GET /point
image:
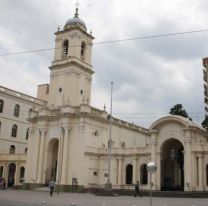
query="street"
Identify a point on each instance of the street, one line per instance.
(35, 198)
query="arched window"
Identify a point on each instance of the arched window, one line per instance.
(16, 110)
(12, 149)
(143, 174)
(22, 174)
(27, 134)
(25, 150)
(207, 174)
(83, 48)
(14, 130)
(65, 48)
(1, 105)
(30, 113)
(1, 171)
(129, 174)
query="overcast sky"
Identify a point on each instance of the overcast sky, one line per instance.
(150, 75)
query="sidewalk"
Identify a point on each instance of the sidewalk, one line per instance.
(35, 198)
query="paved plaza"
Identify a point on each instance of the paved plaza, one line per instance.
(34, 198)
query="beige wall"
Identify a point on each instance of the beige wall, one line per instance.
(7, 119)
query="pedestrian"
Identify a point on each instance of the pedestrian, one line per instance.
(3, 184)
(137, 191)
(51, 187)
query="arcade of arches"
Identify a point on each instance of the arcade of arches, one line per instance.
(13, 173)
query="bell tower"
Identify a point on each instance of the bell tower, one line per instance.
(71, 70)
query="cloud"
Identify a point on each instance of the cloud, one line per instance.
(149, 75)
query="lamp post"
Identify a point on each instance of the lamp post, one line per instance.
(173, 157)
(109, 184)
(151, 168)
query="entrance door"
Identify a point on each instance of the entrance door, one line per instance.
(129, 174)
(52, 159)
(172, 165)
(11, 174)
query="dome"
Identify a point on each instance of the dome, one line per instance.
(76, 21)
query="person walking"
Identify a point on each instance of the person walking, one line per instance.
(137, 191)
(3, 184)
(51, 187)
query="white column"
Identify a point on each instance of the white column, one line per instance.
(200, 169)
(119, 171)
(60, 156)
(41, 157)
(4, 170)
(187, 165)
(134, 170)
(64, 160)
(158, 172)
(153, 156)
(16, 182)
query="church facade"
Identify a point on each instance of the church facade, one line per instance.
(69, 139)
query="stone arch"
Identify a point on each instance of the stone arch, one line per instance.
(22, 174)
(129, 174)
(206, 174)
(52, 160)
(172, 164)
(143, 174)
(11, 174)
(1, 171)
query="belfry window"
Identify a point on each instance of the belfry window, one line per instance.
(65, 48)
(83, 48)
(16, 110)
(1, 105)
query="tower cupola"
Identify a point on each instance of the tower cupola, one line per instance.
(75, 21)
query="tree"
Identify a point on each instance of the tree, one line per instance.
(179, 110)
(205, 123)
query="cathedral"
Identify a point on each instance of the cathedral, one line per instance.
(68, 140)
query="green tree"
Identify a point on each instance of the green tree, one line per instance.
(205, 123)
(179, 110)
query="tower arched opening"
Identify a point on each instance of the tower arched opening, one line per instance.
(172, 165)
(11, 174)
(52, 161)
(129, 174)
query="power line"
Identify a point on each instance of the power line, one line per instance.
(112, 41)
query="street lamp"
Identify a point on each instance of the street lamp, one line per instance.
(151, 168)
(108, 185)
(173, 157)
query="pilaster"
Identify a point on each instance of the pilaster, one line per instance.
(41, 156)
(120, 162)
(187, 163)
(65, 154)
(134, 170)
